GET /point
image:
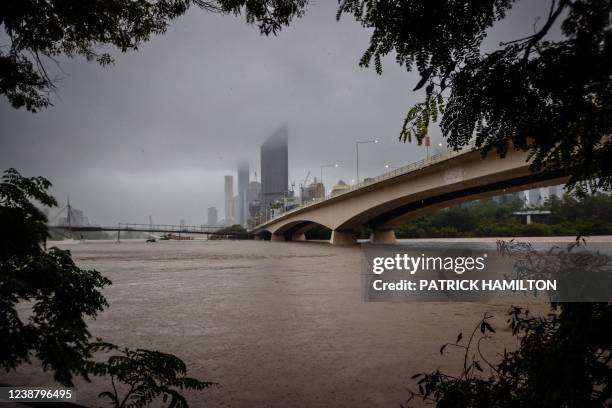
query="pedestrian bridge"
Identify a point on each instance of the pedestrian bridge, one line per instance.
(409, 192)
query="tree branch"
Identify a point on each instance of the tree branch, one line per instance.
(552, 17)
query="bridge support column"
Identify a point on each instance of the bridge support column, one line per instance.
(298, 236)
(277, 238)
(383, 236)
(342, 238)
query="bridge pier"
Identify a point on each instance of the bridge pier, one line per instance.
(298, 236)
(383, 236)
(277, 238)
(258, 237)
(342, 238)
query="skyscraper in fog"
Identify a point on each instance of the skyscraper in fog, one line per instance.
(243, 186)
(229, 199)
(212, 217)
(254, 204)
(274, 169)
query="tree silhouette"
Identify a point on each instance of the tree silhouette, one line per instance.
(61, 294)
(147, 377)
(562, 359)
(552, 97)
(40, 31)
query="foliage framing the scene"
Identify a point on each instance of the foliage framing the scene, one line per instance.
(61, 294)
(563, 359)
(147, 376)
(549, 96)
(40, 33)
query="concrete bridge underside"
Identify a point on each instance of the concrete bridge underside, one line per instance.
(391, 202)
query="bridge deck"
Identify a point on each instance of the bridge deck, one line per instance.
(415, 166)
(131, 227)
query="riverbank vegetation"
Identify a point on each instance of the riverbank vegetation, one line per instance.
(569, 216)
(565, 216)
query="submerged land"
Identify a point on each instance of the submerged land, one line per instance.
(276, 324)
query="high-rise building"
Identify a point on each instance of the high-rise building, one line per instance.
(538, 196)
(235, 208)
(212, 219)
(254, 204)
(229, 199)
(243, 186)
(243, 176)
(274, 170)
(254, 191)
(556, 191)
(534, 197)
(312, 192)
(340, 188)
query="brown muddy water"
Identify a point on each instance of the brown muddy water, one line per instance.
(276, 324)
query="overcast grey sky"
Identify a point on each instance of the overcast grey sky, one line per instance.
(155, 133)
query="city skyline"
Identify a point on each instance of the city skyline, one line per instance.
(123, 149)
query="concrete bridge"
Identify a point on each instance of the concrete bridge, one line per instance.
(409, 192)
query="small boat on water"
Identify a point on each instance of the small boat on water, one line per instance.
(177, 237)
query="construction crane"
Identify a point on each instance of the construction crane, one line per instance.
(303, 183)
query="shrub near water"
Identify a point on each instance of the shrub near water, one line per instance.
(569, 216)
(562, 359)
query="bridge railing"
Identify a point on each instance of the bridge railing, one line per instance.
(436, 158)
(128, 226)
(168, 227)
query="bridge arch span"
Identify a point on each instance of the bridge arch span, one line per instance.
(413, 192)
(399, 211)
(291, 231)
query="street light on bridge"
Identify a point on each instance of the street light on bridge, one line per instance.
(323, 167)
(357, 150)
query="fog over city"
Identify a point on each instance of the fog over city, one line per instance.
(155, 133)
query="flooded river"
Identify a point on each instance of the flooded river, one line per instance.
(276, 324)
